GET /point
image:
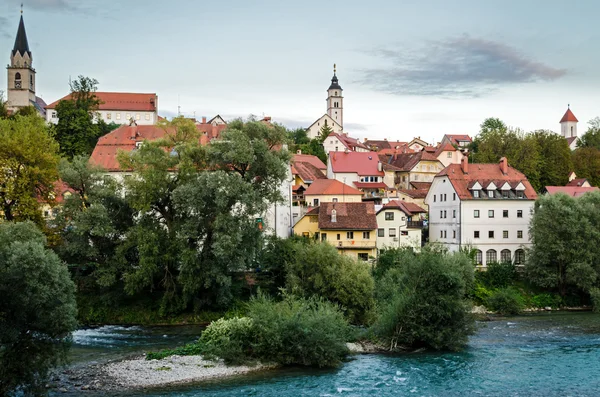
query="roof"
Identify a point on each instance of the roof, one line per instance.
(484, 174)
(569, 116)
(330, 186)
(571, 139)
(334, 83)
(21, 44)
(370, 185)
(308, 172)
(459, 138)
(407, 161)
(349, 216)
(577, 182)
(574, 191)
(415, 193)
(421, 185)
(445, 147)
(140, 102)
(408, 208)
(125, 138)
(348, 142)
(361, 163)
(39, 105)
(309, 158)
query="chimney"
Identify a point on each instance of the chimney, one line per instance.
(298, 151)
(203, 119)
(504, 165)
(464, 164)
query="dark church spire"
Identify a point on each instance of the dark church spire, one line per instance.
(21, 44)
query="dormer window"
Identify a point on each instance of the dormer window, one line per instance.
(476, 193)
(505, 194)
(490, 193)
(519, 194)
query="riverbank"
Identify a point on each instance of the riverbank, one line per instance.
(138, 373)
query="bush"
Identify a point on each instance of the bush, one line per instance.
(228, 339)
(480, 293)
(423, 301)
(506, 301)
(545, 300)
(319, 270)
(498, 274)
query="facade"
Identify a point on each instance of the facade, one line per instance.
(486, 206)
(568, 128)
(350, 227)
(331, 191)
(447, 154)
(119, 108)
(399, 224)
(337, 142)
(417, 144)
(334, 117)
(21, 75)
(421, 166)
(360, 169)
(415, 196)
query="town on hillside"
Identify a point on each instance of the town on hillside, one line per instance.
(363, 196)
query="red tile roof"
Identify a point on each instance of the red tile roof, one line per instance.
(349, 216)
(571, 139)
(350, 143)
(309, 158)
(484, 174)
(330, 186)
(125, 138)
(415, 193)
(308, 172)
(446, 147)
(574, 191)
(577, 182)
(370, 185)
(361, 163)
(121, 101)
(407, 161)
(408, 208)
(421, 185)
(569, 116)
(456, 138)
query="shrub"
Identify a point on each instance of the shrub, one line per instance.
(545, 300)
(498, 274)
(423, 301)
(480, 293)
(506, 301)
(320, 270)
(228, 339)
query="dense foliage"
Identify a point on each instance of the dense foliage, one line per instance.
(37, 309)
(506, 301)
(422, 300)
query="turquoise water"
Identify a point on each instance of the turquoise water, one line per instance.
(538, 355)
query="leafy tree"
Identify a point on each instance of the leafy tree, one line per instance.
(555, 156)
(422, 301)
(586, 163)
(315, 148)
(591, 138)
(298, 136)
(37, 309)
(28, 160)
(76, 131)
(3, 106)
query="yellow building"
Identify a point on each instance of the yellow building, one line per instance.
(350, 227)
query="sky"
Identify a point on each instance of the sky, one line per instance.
(411, 68)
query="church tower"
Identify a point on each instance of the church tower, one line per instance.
(335, 101)
(568, 124)
(21, 74)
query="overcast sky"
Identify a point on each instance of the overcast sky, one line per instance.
(408, 68)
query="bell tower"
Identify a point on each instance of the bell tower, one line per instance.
(21, 74)
(568, 124)
(335, 100)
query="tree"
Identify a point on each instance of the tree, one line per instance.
(76, 131)
(298, 136)
(37, 309)
(591, 138)
(324, 132)
(315, 148)
(586, 163)
(3, 106)
(28, 167)
(555, 156)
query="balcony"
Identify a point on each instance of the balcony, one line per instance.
(414, 224)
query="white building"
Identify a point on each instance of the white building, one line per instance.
(399, 225)
(341, 142)
(119, 108)
(568, 128)
(486, 206)
(335, 110)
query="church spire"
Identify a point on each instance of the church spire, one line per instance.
(334, 80)
(21, 44)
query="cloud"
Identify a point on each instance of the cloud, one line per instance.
(4, 25)
(460, 67)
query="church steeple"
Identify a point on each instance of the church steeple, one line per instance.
(335, 101)
(21, 44)
(20, 73)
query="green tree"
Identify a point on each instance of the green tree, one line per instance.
(315, 148)
(28, 164)
(37, 309)
(555, 156)
(76, 131)
(591, 138)
(3, 106)
(324, 132)
(586, 163)
(298, 136)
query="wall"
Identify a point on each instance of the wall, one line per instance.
(313, 131)
(411, 239)
(329, 198)
(115, 116)
(455, 157)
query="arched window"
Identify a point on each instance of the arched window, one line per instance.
(479, 257)
(490, 256)
(17, 76)
(505, 256)
(519, 257)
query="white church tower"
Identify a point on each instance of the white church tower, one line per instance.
(568, 124)
(21, 74)
(335, 101)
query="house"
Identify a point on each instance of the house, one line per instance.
(307, 168)
(399, 224)
(336, 142)
(421, 166)
(448, 154)
(350, 227)
(415, 196)
(458, 141)
(118, 107)
(378, 146)
(486, 206)
(334, 118)
(417, 144)
(575, 187)
(360, 169)
(331, 191)
(568, 128)
(60, 192)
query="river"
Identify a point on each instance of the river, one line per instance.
(548, 354)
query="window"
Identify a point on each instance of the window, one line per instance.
(118, 116)
(519, 234)
(479, 257)
(31, 84)
(504, 213)
(363, 257)
(349, 235)
(454, 234)
(366, 235)
(490, 256)
(336, 148)
(392, 232)
(147, 117)
(449, 155)
(108, 116)
(54, 115)
(505, 234)
(317, 236)
(17, 76)
(453, 213)
(475, 213)
(490, 213)
(505, 194)
(476, 193)
(416, 177)
(490, 193)
(476, 234)
(519, 194)
(316, 202)
(305, 234)
(505, 256)
(434, 198)
(519, 213)
(389, 216)
(137, 116)
(441, 214)
(339, 236)
(128, 116)
(323, 236)
(445, 234)
(519, 257)
(445, 214)
(380, 232)
(453, 196)
(404, 232)
(441, 234)
(331, 142)
(491, 234)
